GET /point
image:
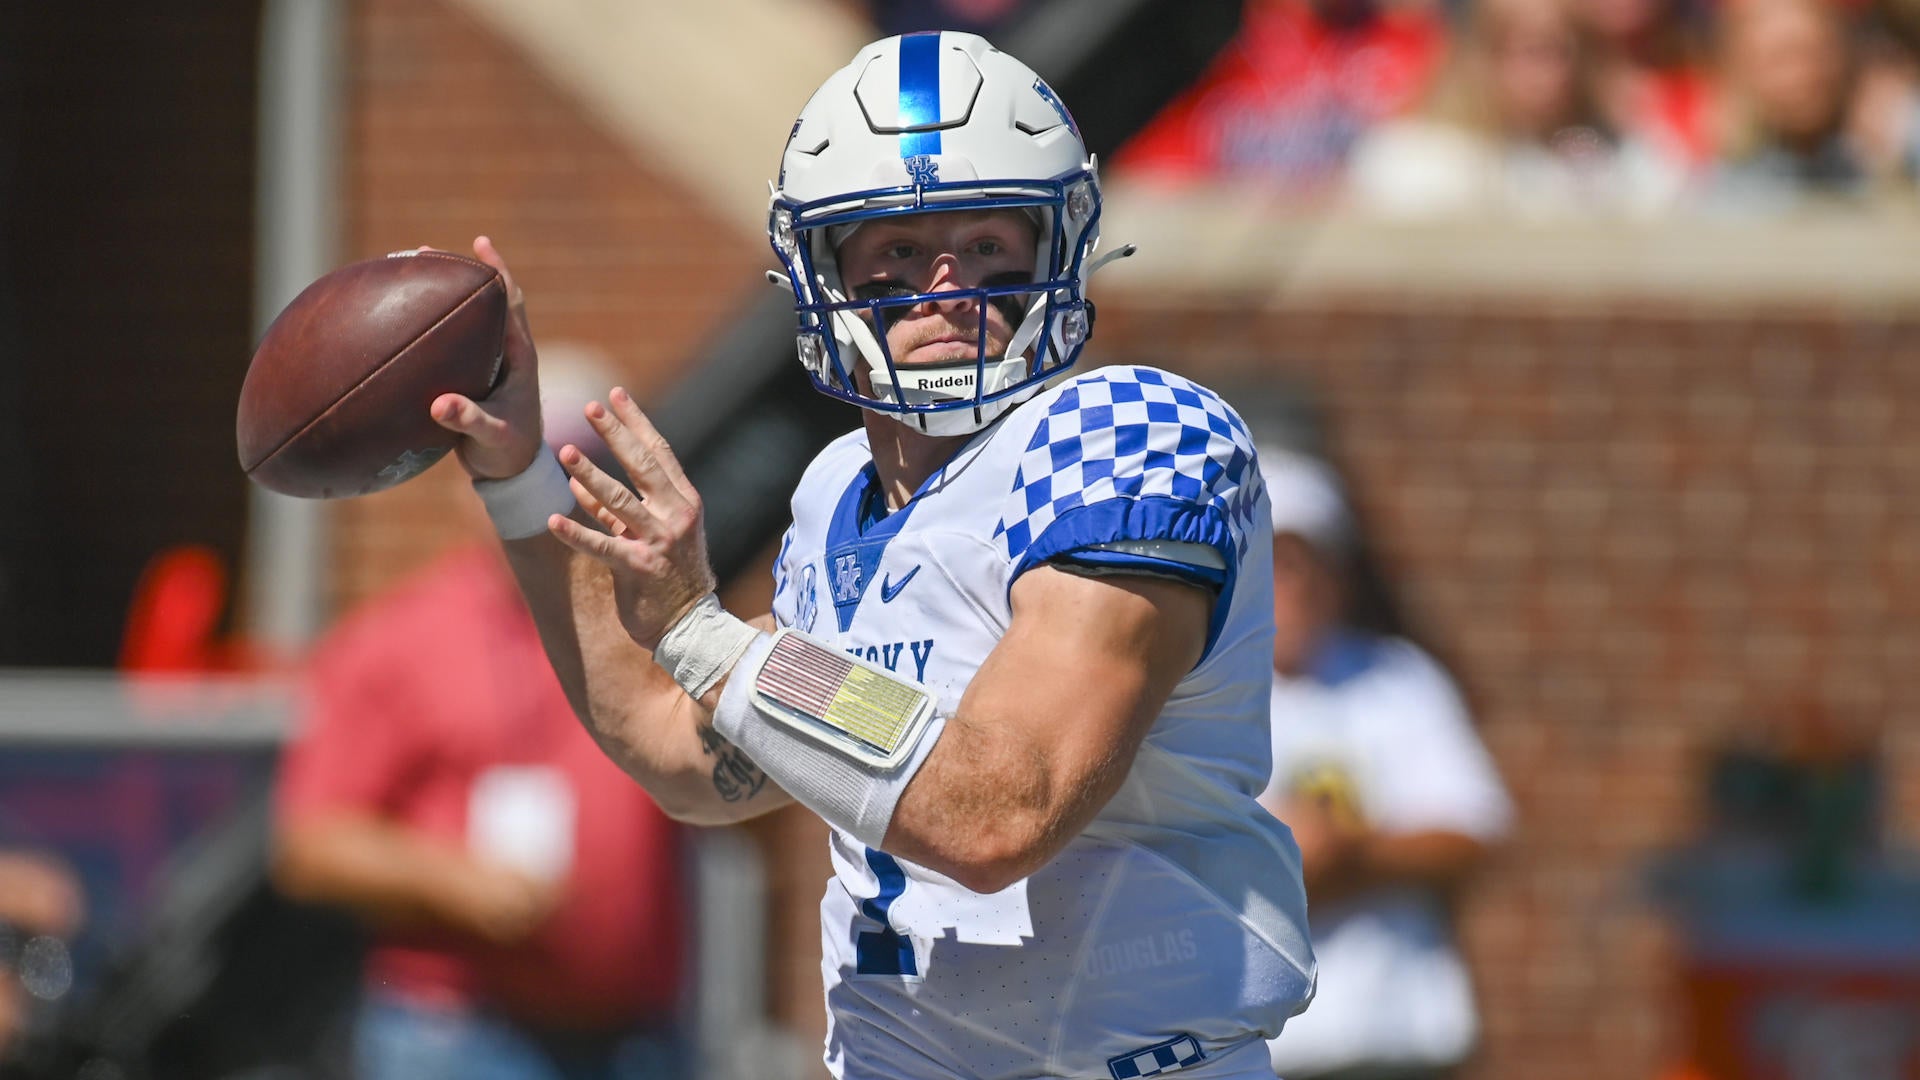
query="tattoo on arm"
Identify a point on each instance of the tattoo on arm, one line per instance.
(735, 776)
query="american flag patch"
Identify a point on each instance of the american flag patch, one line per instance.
(1159, 1059)
(835, 696)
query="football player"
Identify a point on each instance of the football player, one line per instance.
(1019, 651)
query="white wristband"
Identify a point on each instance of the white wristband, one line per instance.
(520, 505)
(847, 789)
(703, 646)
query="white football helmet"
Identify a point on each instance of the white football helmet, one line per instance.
(923, 123)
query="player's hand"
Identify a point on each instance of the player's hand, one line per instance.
(656, 540)
(501, 434)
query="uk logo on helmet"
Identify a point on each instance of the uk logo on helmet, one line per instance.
(922, 169)
(1047, 95)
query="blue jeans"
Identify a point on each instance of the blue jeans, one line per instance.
(396, 1040)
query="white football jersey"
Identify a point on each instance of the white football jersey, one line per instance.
(1172, 931)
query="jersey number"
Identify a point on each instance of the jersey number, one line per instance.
(884, 951)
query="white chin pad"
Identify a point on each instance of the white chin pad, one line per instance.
(946, 382)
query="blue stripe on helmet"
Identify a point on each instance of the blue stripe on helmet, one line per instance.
(919, 92)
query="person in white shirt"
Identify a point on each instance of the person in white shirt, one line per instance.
(1391, 796)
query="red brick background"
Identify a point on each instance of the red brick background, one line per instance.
(1637, 531)
(1635, 528)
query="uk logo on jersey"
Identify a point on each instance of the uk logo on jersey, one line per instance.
(846, 578)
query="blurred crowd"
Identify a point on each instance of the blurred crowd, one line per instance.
(1538, 109)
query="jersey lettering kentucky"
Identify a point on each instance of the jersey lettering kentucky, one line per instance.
(1173, 929)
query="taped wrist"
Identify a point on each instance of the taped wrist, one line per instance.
(840, 735)
(520, 505)
(703, 646)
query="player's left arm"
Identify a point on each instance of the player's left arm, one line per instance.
(1047, 730)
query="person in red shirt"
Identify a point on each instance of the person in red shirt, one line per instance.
(525, 895)
(1284, 104)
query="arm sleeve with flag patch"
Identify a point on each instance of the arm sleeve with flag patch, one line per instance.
(1125, 457)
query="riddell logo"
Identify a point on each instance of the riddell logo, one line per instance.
(946, 382)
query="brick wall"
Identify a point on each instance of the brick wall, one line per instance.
(1637, 530)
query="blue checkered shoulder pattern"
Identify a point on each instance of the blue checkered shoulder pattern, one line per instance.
(1132, 453)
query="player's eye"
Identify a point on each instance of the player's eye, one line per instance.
(989, 248)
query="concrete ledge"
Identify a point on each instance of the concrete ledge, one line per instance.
(1238, 245)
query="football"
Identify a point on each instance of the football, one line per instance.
(335, 401)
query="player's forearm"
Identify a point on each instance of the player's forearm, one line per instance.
(990, 807)
(1024, 765)
(1048, 728)
(640, 719)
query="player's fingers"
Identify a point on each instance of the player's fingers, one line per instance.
(592, 543)
(651, 480)
(484, 250)
(458, 413)
(612, 496)
(655, 443)
(592, 506)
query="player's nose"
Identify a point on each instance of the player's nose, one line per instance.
(946, 278)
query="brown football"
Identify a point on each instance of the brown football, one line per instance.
(335, 401)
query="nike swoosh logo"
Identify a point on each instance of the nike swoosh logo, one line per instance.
(890, 589)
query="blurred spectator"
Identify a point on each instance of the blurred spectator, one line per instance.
(1515, 127)
(1884, 119)
(1789, 69)
(1391, 796)
(41, 906)
(1649, 81)
(525, 895)
(983, 17)
(1289, 98)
